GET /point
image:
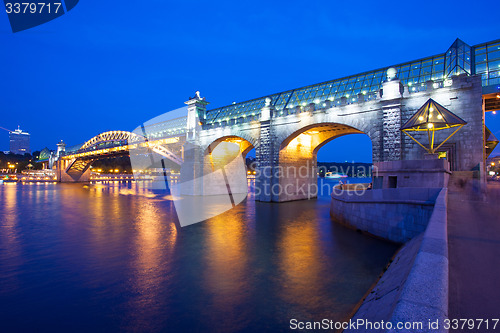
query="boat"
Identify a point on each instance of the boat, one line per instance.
(7, 179)
(334, 175)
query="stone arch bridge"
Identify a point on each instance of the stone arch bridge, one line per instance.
(287, 129)
(288, 140)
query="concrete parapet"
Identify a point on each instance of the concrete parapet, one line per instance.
(412, 173)
(396, 214)
(414, 289)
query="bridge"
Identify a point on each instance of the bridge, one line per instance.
(74, 166)
(287, 129)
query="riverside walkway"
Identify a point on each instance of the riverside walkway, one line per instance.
(474, 252)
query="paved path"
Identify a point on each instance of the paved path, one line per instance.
(474, 255)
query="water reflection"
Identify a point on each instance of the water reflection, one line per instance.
(10, 247)
(153, 252)
(225, 275)
(300, 260)
(110, 257)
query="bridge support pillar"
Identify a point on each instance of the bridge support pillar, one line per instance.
(191, 173)
(391, 108)
(63, 177)
(267, 156)
(298, 179)
(192, 170)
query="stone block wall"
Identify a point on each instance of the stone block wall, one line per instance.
(395, 214)
(414, 289)
(463, 98)
(414, 173)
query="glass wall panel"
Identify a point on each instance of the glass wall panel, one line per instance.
(456, 60)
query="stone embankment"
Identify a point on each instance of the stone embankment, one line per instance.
(414, 289)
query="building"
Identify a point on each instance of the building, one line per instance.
(19, 142)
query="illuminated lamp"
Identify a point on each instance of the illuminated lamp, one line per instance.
(432, 117)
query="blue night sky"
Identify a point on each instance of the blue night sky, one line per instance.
(110, 65)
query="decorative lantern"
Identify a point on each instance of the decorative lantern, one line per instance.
(490, 141)
(432, 117)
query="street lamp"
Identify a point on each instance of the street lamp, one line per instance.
(432, 117)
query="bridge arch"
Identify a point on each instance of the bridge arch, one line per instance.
(221, 154)
(317, 135)
(298, 157)
(111, 136)
(245, 144)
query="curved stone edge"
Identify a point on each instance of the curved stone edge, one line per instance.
(415, 286)
(425, 293)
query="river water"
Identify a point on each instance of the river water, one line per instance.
(108, 257)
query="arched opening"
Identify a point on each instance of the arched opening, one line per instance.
(224, 169)
(251, 164)
(245, 145)
(347, 159)
(219, 155)
(298, 172)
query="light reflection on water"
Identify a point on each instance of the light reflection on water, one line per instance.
(110, 257)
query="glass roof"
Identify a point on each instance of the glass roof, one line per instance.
(173, 127)
(487, 62)
(457, 59)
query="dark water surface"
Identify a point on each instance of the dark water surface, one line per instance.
(99, 258)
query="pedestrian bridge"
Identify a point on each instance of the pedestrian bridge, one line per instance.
(75, 165)
(287, 129)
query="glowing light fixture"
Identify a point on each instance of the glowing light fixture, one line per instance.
(423, 120)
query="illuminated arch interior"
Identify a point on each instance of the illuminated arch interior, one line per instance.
(221, 152)
(298, 157)
(244, 145)
(305, 143)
